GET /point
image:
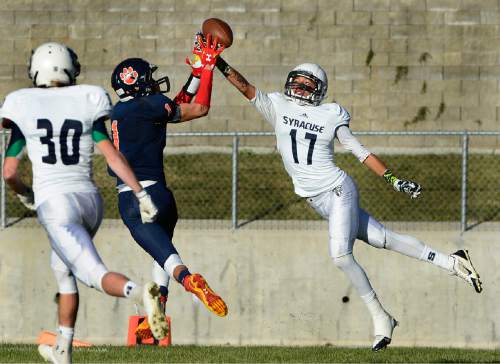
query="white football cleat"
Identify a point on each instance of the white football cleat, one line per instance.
(156, 315)
(462, 267)
(49, 353)
(384, 326)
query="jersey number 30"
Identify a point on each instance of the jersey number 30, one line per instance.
(312, 141)
(69, 124)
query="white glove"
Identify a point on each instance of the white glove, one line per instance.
(409, 187)
(146, 206)
(27, 199)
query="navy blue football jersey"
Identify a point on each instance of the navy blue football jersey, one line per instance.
(138, 130)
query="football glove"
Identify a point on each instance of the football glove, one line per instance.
(411, 188)
(27, 199)
(195, 63)
(209, 50)
(146, 206)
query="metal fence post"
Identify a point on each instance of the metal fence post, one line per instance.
(234, 184)
(463, 207)
(3, 218)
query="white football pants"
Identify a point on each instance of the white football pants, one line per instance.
(347, 222)
(71, 220)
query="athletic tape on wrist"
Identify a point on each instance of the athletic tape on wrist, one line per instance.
(192, 85)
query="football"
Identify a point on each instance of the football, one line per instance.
(220, 29)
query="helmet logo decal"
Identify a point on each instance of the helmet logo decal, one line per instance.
(129, 76)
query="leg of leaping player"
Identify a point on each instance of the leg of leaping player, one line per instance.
(139, 124)
(458, 263)
(65, 198)
(331, 192)
(155, 238)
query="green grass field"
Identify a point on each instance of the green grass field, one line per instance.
(202, 186)
(258, 354)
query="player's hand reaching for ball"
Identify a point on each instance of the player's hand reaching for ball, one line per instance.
(195, 63)
(209, 51)
(146, 206)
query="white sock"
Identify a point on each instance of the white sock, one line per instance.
(373, 304)
(160, 276)
(439, 259)
(128, 288)
(171, 263)
(412, 247)
(133, 291)
(64, 339)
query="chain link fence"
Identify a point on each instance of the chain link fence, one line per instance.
(240, 185)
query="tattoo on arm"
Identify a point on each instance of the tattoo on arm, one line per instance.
(238, 80)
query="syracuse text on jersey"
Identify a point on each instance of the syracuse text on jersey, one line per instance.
(302, 124)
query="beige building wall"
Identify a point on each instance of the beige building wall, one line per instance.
(281, 288)
(395, 64)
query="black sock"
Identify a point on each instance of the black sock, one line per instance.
(164, 291)
(183, 275)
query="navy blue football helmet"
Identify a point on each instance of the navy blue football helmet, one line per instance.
(133, 77)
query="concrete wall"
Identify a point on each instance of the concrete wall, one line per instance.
(281, 288)
(395, 64)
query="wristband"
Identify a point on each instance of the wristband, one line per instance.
(390, 177)
(192, 85)
(188, 90)
(223, 66)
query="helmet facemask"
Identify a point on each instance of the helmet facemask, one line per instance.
(157, 83)
(316, 94)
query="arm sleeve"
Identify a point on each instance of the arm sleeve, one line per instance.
(187, 92)
(265, 106)
(99, 131)
(352, 144)
(16, 143)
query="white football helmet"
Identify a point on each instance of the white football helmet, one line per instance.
(313, 72)
(53, 63)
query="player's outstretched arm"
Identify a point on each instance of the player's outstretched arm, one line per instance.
(208, 55)
(411, 188)
(236, 79)
(370, 160)
(192, 84)
(118, 163)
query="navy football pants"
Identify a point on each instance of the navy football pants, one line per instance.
(156, 237)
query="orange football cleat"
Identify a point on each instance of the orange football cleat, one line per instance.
(198, 286)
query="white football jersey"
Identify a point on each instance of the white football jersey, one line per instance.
(57, 125)
(304, 136)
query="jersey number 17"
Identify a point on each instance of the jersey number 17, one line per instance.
(312, 141)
